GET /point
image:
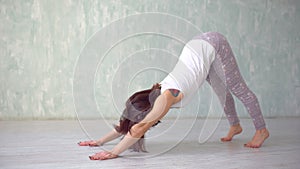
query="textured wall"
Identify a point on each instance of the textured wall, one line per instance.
(40, 42)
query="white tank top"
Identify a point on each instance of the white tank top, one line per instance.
(190, 71)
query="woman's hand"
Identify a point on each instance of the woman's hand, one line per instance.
(104, 155)
(91, 143)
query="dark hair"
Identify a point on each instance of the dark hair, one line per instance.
(137, 107)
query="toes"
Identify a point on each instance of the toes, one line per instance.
(255, 146)
(250, 145)
(247, 145)
(225, 139)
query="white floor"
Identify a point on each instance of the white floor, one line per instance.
(172, 144)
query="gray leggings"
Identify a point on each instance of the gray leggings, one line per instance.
(225, 78)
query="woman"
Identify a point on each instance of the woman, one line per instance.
(207, 57)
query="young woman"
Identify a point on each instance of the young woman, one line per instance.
(206, 57)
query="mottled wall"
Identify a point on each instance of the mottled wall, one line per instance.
(40, 42)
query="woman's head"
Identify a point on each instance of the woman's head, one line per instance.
(137, 107)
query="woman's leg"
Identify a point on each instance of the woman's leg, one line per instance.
(224, 97)
(225, 67)
(230, 75)
(236, 84)
(227, 103)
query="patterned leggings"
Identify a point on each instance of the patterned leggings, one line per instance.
(225, 78)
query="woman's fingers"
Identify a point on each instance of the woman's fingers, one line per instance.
(103, 156)
(88, 143)
(93, 144)
(83, 143)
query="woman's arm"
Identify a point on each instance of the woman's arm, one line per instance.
(107, 138)
(161, 106)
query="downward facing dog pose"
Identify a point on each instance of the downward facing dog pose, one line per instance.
(206, 57)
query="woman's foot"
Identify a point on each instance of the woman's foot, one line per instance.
(234, 130)
(258, 139)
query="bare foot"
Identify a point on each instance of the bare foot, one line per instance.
(258, 139)
(234, 130)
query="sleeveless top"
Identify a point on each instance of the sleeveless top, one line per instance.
(191, 69)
